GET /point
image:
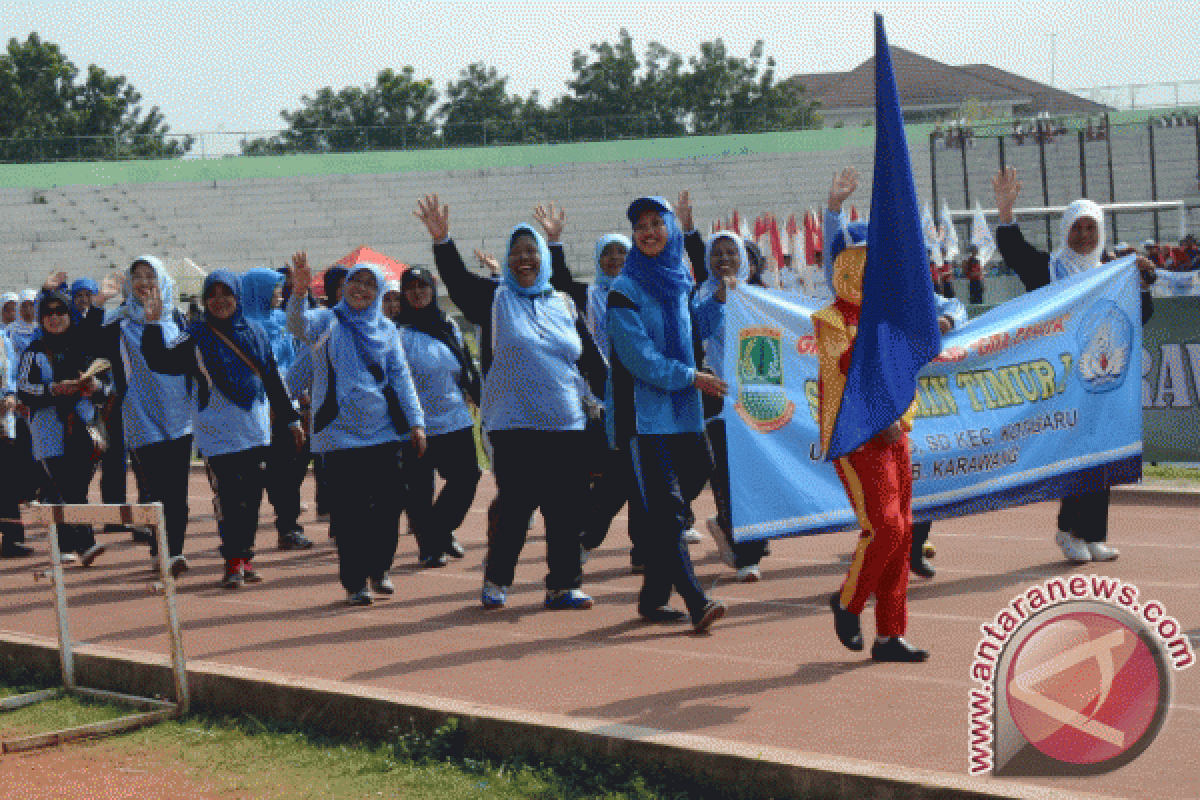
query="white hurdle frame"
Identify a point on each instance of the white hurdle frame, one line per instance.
(148, 515)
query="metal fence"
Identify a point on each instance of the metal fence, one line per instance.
(1060, 160)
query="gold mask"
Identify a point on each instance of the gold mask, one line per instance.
(848, 270)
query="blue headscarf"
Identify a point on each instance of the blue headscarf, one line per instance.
(81, 285)
(227, 371)
(666, 277)
(373, 334)
(542, 284)
(604, 280)
(258, 289)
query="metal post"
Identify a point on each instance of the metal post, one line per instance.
(1082, 165)
(60, 610)
(1112, 186)
(168, 582)
(1153, 174)
(933, 167)
(1041, 139)
(1000, 144)
(966, 182)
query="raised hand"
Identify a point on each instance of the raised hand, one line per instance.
(109, 287)
(54, 280)
(435, 216)
(683, 211)
(844, 184)
(489, 262)
(552, 221)
(301, 274)
(1007, 189)
(727, 283)
(153, 304)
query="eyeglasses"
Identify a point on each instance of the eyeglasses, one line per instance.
(56, 312)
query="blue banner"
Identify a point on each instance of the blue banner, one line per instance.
(1028, 402)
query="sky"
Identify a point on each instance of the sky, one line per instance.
(219, 66)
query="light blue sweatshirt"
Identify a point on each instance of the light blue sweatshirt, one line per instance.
(362, 419)
(435, 374)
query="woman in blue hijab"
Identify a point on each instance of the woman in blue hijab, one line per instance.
(239, 390)
(365, 409)
(532, 408)
(654, 408)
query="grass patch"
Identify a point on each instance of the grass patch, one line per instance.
(1150, 472)
(264, 759)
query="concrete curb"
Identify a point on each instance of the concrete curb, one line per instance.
(750, 770)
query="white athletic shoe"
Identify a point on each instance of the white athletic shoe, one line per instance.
(724, 549)
(68, 558)
(1073, 549)
(693, 536)
(751, 574)
(1102, 552)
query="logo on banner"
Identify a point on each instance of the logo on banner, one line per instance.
(762, 399)
(1105, 339)
(1076, 679)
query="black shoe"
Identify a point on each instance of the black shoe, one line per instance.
(664, 615)
(711, 613)
(360, 598)
(294, 541)
(845, 625)
(921, 567)
(455, 549)
(15, 550)
(432, 562)
(383, 585)
(896, 649)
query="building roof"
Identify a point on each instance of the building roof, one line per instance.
(925, 82)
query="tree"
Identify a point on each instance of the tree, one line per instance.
(480, 111)
(393, 113)
(49, 115)
(728, 94)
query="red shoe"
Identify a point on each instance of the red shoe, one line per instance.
(234, 578)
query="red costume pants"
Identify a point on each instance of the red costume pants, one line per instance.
(878, 481)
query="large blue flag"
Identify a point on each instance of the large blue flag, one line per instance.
(898, 330)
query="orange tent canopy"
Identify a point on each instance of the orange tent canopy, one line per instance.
(392, 269)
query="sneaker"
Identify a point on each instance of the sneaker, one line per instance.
(433, 562)
(1102, 552)
(249, 573)
(68, 558)
(845, 624)
(568, 600)
(15, 550)
(454, 549)
(233, 574)
(303, 507)
(928, 550)
(384, 585)
(178, 565)
(895, 649)
(711, 613)
(294, 540)
(693, 536)
(89, 556)
(493, 596)
(663, 615)
(1073, 549)
(920, 566)
(360, 598)
(724, 548)
(750, 574)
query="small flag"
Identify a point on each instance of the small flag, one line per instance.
(981, 235)
(950, 246)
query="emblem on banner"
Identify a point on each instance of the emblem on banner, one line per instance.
(1105, 346)
(762, 399)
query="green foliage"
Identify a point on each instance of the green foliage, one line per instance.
(612, 94)
(52, 112)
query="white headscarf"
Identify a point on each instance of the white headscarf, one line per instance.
(1065, 262)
